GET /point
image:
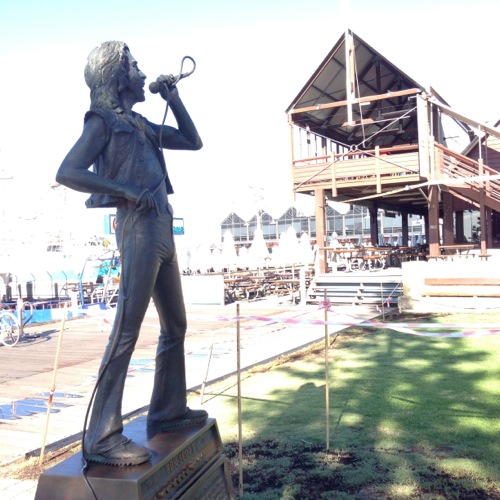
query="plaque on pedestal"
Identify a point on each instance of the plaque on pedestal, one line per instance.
(186, 464)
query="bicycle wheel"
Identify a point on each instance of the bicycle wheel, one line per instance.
(9, 329)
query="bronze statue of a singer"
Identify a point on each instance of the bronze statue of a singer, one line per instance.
(129, 173)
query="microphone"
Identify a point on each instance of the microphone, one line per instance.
(170, 81)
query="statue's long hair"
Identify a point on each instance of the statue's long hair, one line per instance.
(106, 74)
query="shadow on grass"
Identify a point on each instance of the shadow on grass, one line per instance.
(410, 417)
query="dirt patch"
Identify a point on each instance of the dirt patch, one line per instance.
(30, 468)
(275, 470)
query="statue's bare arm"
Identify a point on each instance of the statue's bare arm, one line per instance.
(74, 170)
(185, 136)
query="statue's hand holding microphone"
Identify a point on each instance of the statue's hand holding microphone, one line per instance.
(165, 84)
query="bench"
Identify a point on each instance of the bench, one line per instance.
(462, 287)
(462, 255)
(452, 251)
(437, 257)
(451, 256)
(484, 256)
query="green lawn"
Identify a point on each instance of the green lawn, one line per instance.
(410, 417)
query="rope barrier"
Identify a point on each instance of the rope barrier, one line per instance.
(474, 329)
(411, 328)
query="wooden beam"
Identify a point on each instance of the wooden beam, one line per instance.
(365, 121)
(481, 126)
(359, 100)
(463, 280)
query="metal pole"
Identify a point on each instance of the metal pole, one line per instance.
(302, 286)
(238, 374)
(382, 299)
(20, 310)
(327, 384)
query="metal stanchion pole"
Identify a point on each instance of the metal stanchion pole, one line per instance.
(327, 383)
(382, 298)
(20, 310)
(238, 371)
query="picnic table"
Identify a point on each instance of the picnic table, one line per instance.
(448, 252)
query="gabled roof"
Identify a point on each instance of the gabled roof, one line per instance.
(392, 119)
(233, 218)
(478, 140)
(303, 206)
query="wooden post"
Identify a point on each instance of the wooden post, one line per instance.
(459, 226)
(482, 209)
(404, 228)
(374, 224)
(333, 174)
(448, 238)
(52, 388)
(423, 135)
(377, 169)
(204, 383)
(489, 233)
(292, 151)
(488, 212)
(350, 77)
(433, 234)
(319, 203)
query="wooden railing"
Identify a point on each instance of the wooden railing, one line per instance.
(395, 165)
(377, 167)
(451, 165)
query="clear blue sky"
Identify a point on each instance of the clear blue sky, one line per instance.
(252, 59)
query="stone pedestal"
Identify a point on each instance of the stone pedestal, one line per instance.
(186, 464)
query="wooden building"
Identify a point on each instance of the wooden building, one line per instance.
(365, 133)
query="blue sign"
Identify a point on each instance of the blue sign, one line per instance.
(178, 226)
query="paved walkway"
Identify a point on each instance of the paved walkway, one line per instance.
(27, 370)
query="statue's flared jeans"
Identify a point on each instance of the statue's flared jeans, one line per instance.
(149, 269)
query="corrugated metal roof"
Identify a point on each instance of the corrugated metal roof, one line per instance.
(384, 122)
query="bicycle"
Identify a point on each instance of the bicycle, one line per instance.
(9, 329)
